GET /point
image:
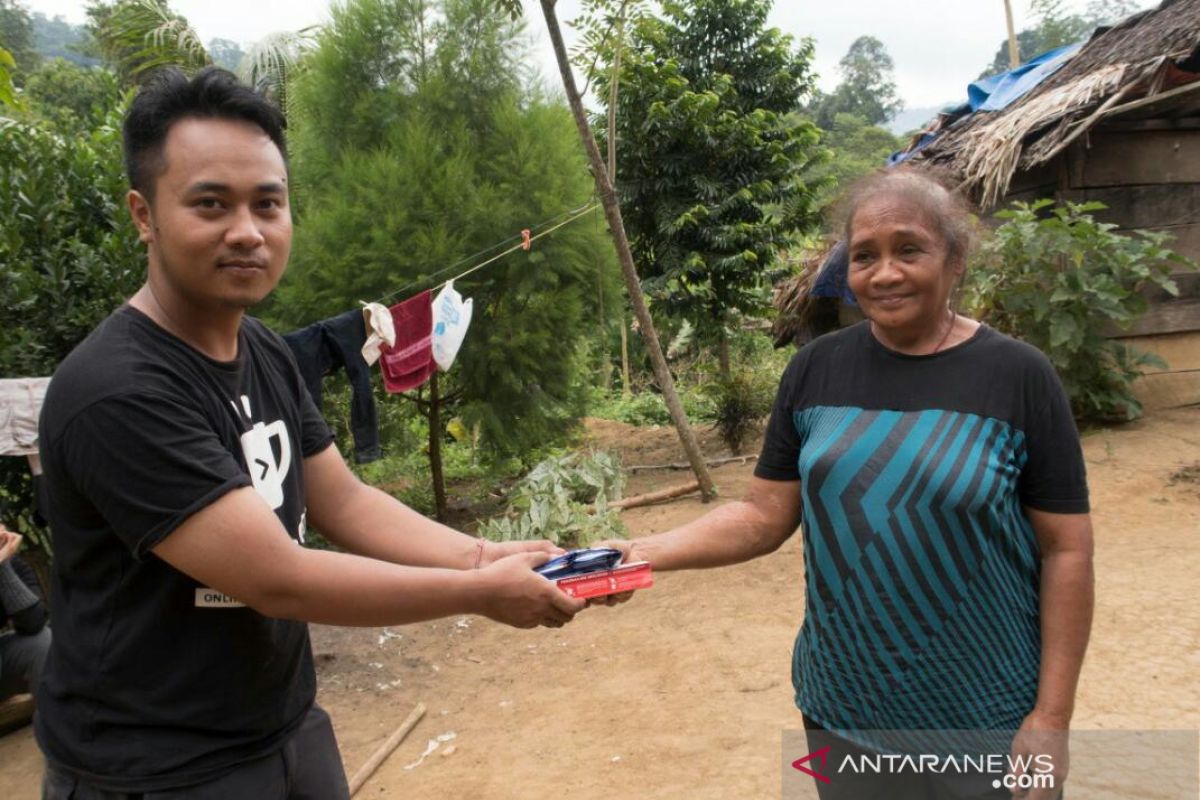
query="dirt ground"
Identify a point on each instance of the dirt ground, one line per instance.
(684, 692)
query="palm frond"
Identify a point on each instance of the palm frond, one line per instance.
(271, 61)
(140, 36)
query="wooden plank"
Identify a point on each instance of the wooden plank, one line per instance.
(1148, 157)
(1185, 239)
(1188, 284)
(1045, 174)
(1181, 123)
(1181, 351)
(1156, 104)
(1174, 316)
(1168, 390)
(1168, 205)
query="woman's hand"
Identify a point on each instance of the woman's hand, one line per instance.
(1040, 748)
(627, 557)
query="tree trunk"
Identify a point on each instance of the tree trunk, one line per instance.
(626, 381)
(723, 355)
(435, 449)
(612, 212)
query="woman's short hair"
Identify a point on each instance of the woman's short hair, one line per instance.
(170, 96)
(930, 191)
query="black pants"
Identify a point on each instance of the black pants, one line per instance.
(308, 767)
(332, 344)
(894, 786)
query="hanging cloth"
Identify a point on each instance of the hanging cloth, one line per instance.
(451, 318)
(381, 331)
(410, 363)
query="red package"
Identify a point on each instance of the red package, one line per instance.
(624, 578)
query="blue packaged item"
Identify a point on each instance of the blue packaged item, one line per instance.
(580, 562)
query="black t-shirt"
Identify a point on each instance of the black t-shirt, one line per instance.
(153, 680)
(922, 607)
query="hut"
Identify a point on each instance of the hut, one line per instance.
(1117, 122)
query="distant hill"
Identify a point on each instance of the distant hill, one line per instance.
(57, 38)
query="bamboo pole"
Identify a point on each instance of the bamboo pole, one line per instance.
(1014, 50)
(384, 750)
(612, 212)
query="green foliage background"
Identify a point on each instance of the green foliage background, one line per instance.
(416, 145)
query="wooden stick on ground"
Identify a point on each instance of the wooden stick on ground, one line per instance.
(715, 462)
(656, 497)
(385, 749)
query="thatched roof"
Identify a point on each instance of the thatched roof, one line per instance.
(1151, 53)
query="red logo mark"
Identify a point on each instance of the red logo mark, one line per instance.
(820, 755)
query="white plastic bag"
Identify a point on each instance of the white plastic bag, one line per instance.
(451, 318)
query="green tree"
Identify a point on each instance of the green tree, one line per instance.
(711, 157)
(72, 97)
(857, 149)
(70, 256)
(417, 145)
(8, 91)
(16, 35)
(867, 89)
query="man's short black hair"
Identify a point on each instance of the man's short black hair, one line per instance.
(170, 96)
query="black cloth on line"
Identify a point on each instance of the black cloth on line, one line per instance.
(329, 345)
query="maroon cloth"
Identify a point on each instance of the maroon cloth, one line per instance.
(409, 363)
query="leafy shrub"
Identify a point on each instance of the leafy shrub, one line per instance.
(1057, 281)
(563, 499)
(70, 257)
(740, 404)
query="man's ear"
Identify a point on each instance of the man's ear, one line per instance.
(139, 210)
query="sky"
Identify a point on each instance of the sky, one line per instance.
(936, 55)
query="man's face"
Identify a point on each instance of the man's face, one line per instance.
(219, 229)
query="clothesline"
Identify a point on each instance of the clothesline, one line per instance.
(571, 216)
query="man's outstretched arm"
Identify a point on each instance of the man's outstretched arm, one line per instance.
(237, 546)
(364, 520)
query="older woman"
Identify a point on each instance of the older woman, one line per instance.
(937, 472)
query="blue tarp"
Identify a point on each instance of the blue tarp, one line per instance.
(999, 91)
(832, 278)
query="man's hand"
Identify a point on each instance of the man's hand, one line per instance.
(494, 551)
(516, 595)
(10, 543)
(1039, 736)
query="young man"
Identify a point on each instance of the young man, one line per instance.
(184, 458)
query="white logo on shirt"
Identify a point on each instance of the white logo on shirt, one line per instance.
(211, 598)
(266, 470)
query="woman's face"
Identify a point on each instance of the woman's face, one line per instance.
(899, 266)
